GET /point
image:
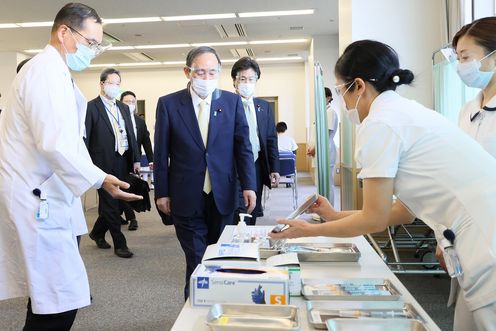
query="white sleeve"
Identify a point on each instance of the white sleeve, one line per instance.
(378, 151)
(294, 145)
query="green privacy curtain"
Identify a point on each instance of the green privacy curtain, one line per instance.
(450, 94)
(322, 134)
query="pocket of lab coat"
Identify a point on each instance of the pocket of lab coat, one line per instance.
(59, 200)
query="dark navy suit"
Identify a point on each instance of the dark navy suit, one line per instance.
(181, 160)
(268, 158)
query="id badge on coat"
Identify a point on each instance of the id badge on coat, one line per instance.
(124, 141)
(42, 213)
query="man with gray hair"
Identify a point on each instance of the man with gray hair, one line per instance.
(44, 169)
(201, 141)
(112, 145)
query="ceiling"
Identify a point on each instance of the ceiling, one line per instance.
(324, 21)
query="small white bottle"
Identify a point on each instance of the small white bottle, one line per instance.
(242, 229)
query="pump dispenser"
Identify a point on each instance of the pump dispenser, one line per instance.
(243, 233)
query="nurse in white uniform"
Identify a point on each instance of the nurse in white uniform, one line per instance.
(475, 45)
(44, 169)
(438, 174)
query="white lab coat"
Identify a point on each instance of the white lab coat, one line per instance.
(442, 176)
(41, 146)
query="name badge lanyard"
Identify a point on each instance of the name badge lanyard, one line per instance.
(117, 119)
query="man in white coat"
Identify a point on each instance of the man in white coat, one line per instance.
(44, 169)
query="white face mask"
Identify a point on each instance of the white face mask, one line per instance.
(204, 87)
(132, 108)
(471, 75)
(111, 90)
(351, 114)
(246, 89)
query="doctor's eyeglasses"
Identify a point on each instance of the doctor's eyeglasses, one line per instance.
(95, 46)
(203, 73)
(244, 80)
(337, 88)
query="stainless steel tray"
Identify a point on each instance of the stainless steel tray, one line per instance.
(372, 324)
(361, 289)
(240, 317)
(320, 311)
(311, 252)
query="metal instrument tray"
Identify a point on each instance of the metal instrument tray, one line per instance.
(239, 317)
(312, 252)
(320, 311)
(373, 324)
(361, 289)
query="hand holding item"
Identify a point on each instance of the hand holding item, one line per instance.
(323, 208)
(297, 228)
(164, 205)
(136, 167)
(113, 186)
(250, 199)
(274, 178)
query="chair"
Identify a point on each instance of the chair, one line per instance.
(287, 171)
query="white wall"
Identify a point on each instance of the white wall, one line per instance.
(326, 52)
(412, 27)
(8, 65)
(285, 81)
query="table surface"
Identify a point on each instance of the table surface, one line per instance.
(370, 265)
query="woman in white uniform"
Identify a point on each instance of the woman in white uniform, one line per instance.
(475, 45)
(438, 173)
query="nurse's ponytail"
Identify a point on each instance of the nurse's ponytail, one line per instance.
(374, 62)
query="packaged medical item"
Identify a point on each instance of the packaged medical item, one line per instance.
(220, 284)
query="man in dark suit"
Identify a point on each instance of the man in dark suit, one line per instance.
(263, 137)
(112, 146)
(143, 140)
(201, 138)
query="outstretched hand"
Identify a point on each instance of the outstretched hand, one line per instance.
(113, 186)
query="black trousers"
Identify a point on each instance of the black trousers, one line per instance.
(49, 322)
(258, 211)
(128, 210)
(195, 233)
(109, 209)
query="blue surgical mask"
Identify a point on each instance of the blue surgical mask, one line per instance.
(471, 75)
(81, 59)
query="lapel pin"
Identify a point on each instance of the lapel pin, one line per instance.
(258, 108)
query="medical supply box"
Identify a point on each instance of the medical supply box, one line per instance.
(258, 285)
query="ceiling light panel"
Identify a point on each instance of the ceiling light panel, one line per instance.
(131, 20)
(198, 17)
(226, 43)
(278, 41)
(162, 46)
(34, 24)
(277, 13)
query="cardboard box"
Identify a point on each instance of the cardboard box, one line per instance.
(259, 285)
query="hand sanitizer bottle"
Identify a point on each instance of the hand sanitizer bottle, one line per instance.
(243, 233)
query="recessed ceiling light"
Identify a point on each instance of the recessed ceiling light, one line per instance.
(9, 26)
(161, 46)
(277, 13)
(131, 20)
(34, 24)
(33, 51)
(277, 41)
(226, 43)
(120, 48)
(198, 17)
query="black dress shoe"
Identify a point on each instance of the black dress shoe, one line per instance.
(100, 242)
(133, 225)
(123, 252)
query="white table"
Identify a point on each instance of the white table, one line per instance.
(369, 266)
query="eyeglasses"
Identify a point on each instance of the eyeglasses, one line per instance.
(337, 88)
(244, 80)
(212, 73)
(95, 46)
